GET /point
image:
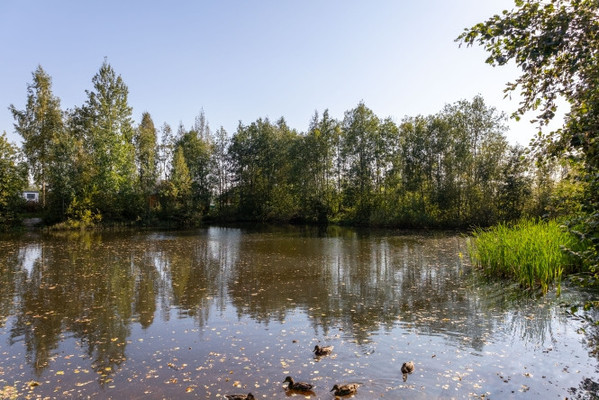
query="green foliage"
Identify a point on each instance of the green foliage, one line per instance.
(363, 157)
(450, 169)
(260, 158)
(40, 124)
(220, 170)
(108, 137)
(447, 167)
(175, 195)
(13, 180)
(515, 187)
(80, 215)
(166, 150)
(529, 252)
(197, 151)
(314, 169)
(146, 160)
(555, 45)
(68, 170)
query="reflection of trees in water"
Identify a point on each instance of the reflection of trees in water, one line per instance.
(193, 277)
(147, 286)
(528, 316)
(84, 288)
(192, 270)
(11, 278)
(96, 286)
(591, 330)
(361, 284)
(37, 322)
(358, 284)
(588, 389)
(408, 279)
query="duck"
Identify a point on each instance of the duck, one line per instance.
(407, 367)
(322, 351)
(298, 386)
(248, 396)
(345, 390)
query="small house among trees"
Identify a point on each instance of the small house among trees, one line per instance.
(31, 196)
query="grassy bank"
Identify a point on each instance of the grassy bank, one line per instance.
(529, 252)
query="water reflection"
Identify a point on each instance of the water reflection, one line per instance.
(85, 290)
(96, 288)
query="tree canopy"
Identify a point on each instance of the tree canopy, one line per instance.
(13, 180)
(556, 46)
(450, 169)
(40, 123)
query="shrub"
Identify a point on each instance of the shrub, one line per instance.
(530, 252)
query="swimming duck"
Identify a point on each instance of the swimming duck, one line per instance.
(407, 367)
(345, 390)
(298, 386)
(322, 351)
(248, 396)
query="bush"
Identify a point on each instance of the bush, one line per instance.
(530, 252)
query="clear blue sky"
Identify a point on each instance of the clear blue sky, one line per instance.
(241, 60)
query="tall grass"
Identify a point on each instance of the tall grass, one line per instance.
(529, 252)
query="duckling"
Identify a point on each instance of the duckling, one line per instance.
(249, 396)
(407, 367)
(322, 351)
(298, 386)
(345, 390)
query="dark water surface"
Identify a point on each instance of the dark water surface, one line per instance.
(222, 310)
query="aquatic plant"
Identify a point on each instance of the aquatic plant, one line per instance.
(531, 252)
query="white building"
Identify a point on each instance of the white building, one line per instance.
(32, 195)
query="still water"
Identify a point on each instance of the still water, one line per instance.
(219, 310)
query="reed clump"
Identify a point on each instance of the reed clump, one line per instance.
(530, 252)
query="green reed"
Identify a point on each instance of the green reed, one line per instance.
(529, 252)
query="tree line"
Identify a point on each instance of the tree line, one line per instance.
(92, 163)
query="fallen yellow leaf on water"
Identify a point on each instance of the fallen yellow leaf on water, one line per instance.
(59, 372)
(189, 389)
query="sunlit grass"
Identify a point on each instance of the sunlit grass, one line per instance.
(529, 252)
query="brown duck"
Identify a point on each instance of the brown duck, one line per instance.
(322, 351)
(407, 367)
(248, 396)
(345, 390)
(298, 386)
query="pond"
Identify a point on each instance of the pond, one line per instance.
(220, 311)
